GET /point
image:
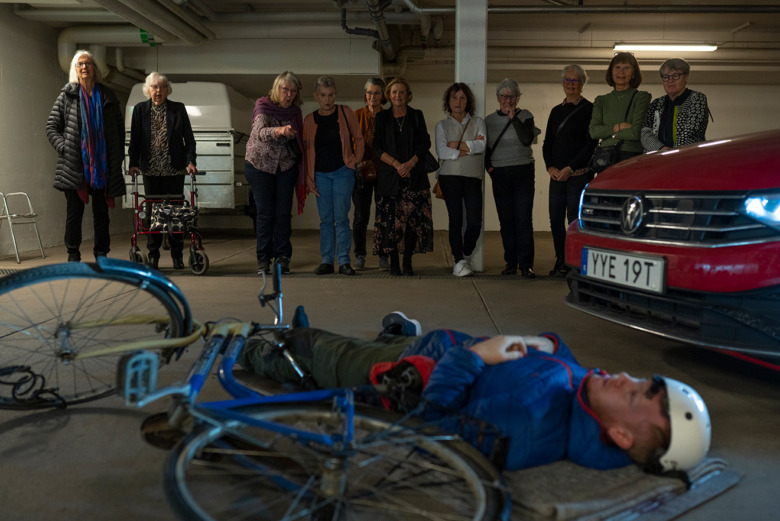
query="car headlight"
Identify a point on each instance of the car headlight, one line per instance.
(764, 208)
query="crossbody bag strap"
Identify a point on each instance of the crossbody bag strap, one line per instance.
(567, 118)
(460, 139)
(628, 109)
(502, 133)
(351, 139)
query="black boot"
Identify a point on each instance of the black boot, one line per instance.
(410, 241)
(395, 267)
(408, 271)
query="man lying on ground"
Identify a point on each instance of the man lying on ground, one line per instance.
(531, 388)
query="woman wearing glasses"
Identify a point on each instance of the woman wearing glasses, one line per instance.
(274, 169)
(87, 130)
(567, 149)
(680, 117)
(618, 116)
(510, 163)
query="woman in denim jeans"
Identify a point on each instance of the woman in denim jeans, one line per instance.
(271, 169)
(333, 146)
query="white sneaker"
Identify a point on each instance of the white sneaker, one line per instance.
(462, 268)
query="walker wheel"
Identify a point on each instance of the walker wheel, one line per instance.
(199, 262)
(138, 256)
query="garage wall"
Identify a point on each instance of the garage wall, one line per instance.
(30, 80)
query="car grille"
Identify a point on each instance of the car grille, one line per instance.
(678, 218)
(745, 322)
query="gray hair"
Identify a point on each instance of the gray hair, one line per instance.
(154, 78)
(74, 76)
(511, 85)
(376, 81)
(677, 65)
(579, 71)
(324, 81)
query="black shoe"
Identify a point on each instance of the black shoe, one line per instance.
(263, 266)
(527, 273)
(323, 269)
(346, 269)
(74, 257)
(509, 271)
(178, 263)
(560, 270)
(154, 262)
(285, 262)
(408, 271)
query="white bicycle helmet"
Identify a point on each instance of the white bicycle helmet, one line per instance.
(690, 427)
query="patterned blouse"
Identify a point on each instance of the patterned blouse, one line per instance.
(160, 159)
(264, 150)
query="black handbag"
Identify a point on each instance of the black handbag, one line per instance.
(293, 149)
(604, 157)
(430, 163)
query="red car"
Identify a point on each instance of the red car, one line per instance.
(686, 244)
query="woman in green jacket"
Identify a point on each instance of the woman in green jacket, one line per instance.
(618, 116)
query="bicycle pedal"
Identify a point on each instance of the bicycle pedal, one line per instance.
(137, 376)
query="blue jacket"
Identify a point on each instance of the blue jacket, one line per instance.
(538, 401)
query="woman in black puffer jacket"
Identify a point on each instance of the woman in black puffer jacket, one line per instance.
(89, 155)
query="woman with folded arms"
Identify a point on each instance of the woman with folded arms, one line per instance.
(618, 116)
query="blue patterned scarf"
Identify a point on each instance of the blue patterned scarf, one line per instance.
(93, 141)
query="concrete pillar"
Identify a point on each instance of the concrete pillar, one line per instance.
(471, 69)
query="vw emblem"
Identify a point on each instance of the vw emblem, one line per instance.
(632, 215)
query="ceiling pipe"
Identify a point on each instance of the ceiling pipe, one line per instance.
(77, 15)
(152, 10)
(356, 30)
(142, 13)
(610, 9)
(188, 16)
(378, 17)
(204, 9)
(136, 19)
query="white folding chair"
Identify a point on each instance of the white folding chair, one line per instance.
(19, 215)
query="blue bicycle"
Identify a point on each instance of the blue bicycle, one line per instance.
(311, 455)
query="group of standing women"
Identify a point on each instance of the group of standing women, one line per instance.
(625, 116)
(320, 155)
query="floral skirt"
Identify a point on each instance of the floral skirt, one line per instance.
(409, 210)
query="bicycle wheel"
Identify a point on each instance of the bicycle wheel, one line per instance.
(53, 313)
(243, 472)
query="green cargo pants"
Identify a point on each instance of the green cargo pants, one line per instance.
(332, 360)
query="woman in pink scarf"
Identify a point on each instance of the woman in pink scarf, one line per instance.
(274, 169)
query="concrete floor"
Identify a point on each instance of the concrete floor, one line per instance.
(89, 461)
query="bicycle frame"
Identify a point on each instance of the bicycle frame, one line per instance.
(139, 375)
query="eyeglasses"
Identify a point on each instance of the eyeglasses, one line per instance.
(573, 81)
(373, 94)
(505, 97)
(288, 90)
(671, 77)
(83, 65)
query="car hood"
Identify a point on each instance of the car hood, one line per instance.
(748, 162)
